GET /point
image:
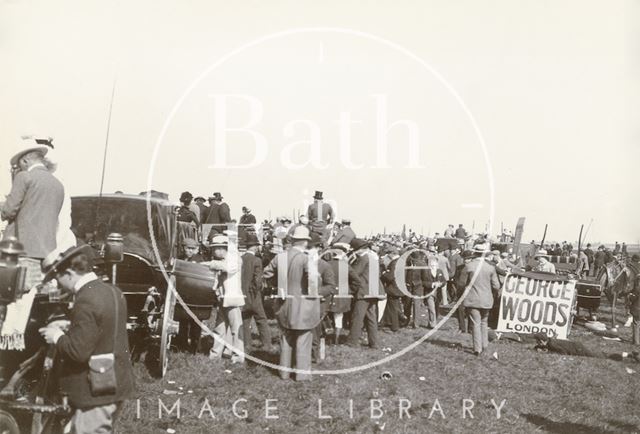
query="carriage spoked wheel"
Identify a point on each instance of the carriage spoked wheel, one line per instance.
(8, 424)
(169, 327)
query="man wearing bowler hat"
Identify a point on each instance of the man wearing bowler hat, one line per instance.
(33, 205)
(98, 327)
(364, 311)
(251, 281)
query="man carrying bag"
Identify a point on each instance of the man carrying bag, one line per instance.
(94, 353)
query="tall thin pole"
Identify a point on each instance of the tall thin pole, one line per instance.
(106, 142)
(104, 157)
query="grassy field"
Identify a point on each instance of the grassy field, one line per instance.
(542, 392)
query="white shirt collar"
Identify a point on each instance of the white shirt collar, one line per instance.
(36, 165)
(84, 280)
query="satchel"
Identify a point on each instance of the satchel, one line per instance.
(102, 371)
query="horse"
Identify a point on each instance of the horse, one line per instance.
(616, 278)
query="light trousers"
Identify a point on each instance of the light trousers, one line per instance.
(229, 339)
(295, 352)
(479, 328)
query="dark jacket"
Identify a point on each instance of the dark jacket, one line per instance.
(344, 235)
(634, 295)
(251, 278)
(91, 333)
(390, 282)
(361, 269)
(340, 304)
(416, 277)
(218, 213)
(430, 279)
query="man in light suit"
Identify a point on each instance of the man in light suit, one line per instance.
(298, 312)
(479, 299)
(33, 205)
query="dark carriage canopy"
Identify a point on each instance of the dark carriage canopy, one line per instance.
(126, 215)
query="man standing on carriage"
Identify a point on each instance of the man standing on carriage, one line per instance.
(320, 215)
(33, 205)
(219, 215)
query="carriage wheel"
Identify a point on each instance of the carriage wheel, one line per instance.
(169, 327)
(8, 424)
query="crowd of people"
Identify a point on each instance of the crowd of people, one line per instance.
(319, 278)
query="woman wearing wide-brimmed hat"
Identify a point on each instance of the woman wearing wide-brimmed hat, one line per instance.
(543, 262)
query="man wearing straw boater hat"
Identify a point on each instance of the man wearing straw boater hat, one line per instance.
(33, 205)
(227, 267)
(479, 299)
(298, 312)
(96, 338)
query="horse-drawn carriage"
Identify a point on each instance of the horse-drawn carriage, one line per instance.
(135, 241)
(588, 289)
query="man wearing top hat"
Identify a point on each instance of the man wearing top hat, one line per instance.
(33, 205)
(299, 312)
(320, 214)
(98, 327)
(251, 281)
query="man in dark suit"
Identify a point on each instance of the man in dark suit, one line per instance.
(204, 209)
(394, 310)
(246, 224)
(365, 312)
(320, 214)
(345, 234)
(33, 205)
(98, 327)
(251, 282)
(599, 260)
(219, 215)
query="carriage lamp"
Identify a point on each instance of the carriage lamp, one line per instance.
(114, 248)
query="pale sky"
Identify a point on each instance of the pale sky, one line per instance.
(552, 85)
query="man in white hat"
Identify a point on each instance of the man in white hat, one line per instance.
(227, 266)
(299, 313)
(33, 205)
(543, 262)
